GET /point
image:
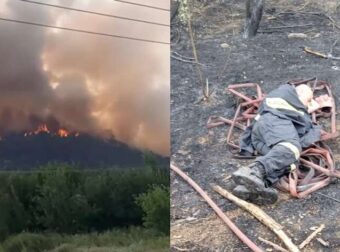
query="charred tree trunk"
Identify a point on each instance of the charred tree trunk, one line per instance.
(254, 11)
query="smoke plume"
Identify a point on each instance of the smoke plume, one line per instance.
(99, 85)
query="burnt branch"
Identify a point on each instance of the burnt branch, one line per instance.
(254, 11)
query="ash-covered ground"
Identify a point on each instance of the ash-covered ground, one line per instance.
(270, 59)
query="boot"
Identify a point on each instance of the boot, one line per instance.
(267, 196)
(252, 177)
(242, 192)
(243, 154)
(253, 180)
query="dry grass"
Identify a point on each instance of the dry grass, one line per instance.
(329, 6)
(134, 239)
(229, 18)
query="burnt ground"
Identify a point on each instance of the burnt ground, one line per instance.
(270, 59)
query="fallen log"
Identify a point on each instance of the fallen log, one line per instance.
(259, 214)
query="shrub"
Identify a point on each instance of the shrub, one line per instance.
(29, 243)
(156, 206)
(16, 191)
(60, 204)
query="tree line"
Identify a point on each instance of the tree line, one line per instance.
(61, 198)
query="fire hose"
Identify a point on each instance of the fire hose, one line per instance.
(217, 210)
(316, 167)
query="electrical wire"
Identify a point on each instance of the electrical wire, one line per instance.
(142, 5)
(95, 13)
(83, 31)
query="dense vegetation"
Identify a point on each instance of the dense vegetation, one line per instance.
(67, 200)
(86, 150)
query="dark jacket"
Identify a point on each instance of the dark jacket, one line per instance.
(284, 103)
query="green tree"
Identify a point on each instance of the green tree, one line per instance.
(156, 206)
(150, 161)
(60, 203)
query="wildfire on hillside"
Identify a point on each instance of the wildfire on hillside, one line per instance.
(43, 128)
(90, 84)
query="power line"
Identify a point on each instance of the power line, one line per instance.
(143, 5)
(83, 31)
(95, 13)
(75, 170)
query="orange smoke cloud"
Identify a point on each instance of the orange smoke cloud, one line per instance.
(98, 85)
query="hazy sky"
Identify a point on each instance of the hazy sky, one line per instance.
(99, 85)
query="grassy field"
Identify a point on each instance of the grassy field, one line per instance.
(121, 240)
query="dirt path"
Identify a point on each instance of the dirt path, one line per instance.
(271, 58)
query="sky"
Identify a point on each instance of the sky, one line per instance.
(88, 83)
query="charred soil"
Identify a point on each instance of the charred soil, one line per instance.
(270, 59)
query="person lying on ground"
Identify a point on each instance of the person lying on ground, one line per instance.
(281, 129)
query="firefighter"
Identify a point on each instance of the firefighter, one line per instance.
(281, 129)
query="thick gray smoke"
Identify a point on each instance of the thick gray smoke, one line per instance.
(98, 85)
